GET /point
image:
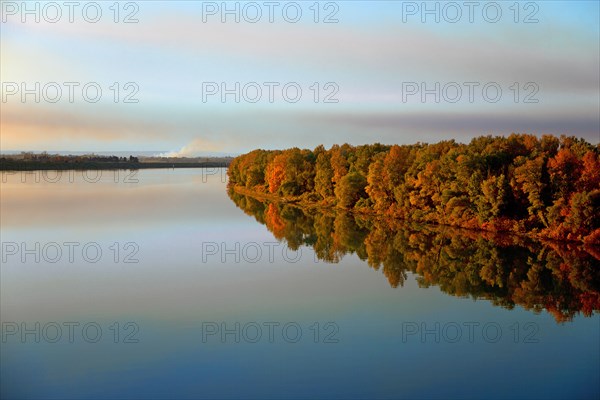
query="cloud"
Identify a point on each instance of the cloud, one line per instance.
(195, 133)
(170, 53)
(432, 126)
(25, 126)
(569, 63)
(389, 52)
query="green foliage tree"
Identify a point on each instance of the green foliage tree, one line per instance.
(324, 176)
(350, 189)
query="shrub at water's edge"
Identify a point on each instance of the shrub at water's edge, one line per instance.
(545, 187)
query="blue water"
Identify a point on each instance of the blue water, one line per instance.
(204, 265)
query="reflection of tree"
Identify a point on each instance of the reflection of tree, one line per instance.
(507, 271)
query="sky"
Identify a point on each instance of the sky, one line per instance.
(191, 77)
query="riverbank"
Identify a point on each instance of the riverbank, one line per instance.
(323, 205)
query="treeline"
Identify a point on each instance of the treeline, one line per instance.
(45, 161)
(545, 187)
(507, 270)
(45, 157)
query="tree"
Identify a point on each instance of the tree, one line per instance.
(546, 187)
(589, 178)
(324, 176)
(529, 177)
(275, 173)
(492, 199)
(350, 189)
(339, 163)
(376, 185)
(562, 169)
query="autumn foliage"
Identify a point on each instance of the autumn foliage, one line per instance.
(545, 187)
(508, 270)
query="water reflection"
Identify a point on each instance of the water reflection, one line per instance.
(564, 280)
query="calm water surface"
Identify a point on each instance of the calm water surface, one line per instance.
(169, 287)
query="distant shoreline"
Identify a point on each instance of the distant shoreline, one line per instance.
(35, 166)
